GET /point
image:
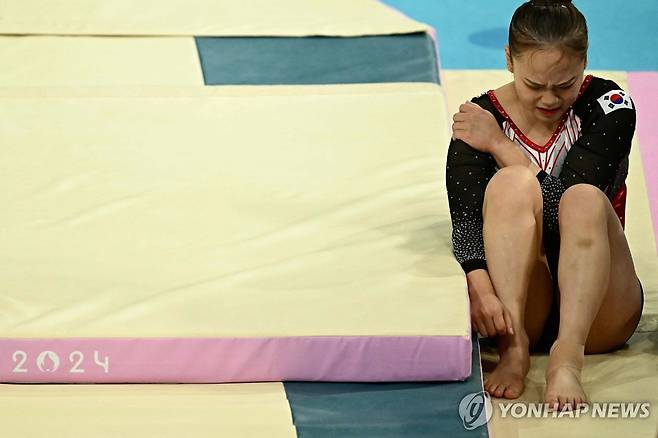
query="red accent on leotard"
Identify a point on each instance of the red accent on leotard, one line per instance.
(619, 204)
(521, 135)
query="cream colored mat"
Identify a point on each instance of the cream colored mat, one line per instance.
(250, 410)
(35, 61)
(204, 17)
(630, 374)
(227, 211)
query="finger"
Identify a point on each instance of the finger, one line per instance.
(482, 329)
(458, 128)
(491, 327)
(468, 107)
(508, 322)
(475, 326)
(459, 117)
(463, 108)
(459, 134)
(499, 323)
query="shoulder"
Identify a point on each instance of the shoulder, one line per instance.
(603, 97)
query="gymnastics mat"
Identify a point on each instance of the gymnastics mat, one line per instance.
(228, 234)
(204, 17)
(51, 61)
(42, 60)
(289, 409)
(250, 410)
(55, 61)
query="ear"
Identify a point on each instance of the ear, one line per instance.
(508, 58)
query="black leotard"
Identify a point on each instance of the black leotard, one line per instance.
(595, 135)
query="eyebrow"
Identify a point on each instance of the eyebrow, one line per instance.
(542, 85)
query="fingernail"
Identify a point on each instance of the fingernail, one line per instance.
(511, 331)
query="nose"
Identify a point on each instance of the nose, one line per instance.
(550, 100)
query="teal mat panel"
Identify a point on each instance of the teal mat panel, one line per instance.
(317, 60)
(386, 410)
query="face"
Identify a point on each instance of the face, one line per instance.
(547, 81)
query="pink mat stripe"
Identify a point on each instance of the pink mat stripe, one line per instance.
(220, 360)
(644, 91)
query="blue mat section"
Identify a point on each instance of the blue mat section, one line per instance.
(317, 60)
(383, 410)
(472, 34)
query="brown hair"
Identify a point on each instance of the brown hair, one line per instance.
(548, 23)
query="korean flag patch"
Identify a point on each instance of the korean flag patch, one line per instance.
(614, 100)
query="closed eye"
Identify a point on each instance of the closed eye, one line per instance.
(539, 87)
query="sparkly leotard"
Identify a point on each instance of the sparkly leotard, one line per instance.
(591, 145)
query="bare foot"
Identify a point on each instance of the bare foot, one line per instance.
(507, 380)
(563, 388)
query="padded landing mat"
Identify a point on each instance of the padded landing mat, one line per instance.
(292, 409)
(47, 61)
(204, 17)
(40, 61)
(318, 60)
(252, 410)
(221, 234)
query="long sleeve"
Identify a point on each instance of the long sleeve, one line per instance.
(600, 154)
(468, 172)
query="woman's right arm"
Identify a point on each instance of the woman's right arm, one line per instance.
(468, 172)
(489, 316)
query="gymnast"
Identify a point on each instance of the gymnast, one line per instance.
(536, 176)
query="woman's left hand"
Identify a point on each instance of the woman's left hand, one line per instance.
(477, 127)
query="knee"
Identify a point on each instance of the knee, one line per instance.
(514, 187)
(582, 206)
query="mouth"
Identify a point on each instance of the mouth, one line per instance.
(548, 112)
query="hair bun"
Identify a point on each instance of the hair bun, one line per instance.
(549, 3)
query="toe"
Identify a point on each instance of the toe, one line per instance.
(561, 401)
(513, 391)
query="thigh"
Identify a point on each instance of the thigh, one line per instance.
(621, 307)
